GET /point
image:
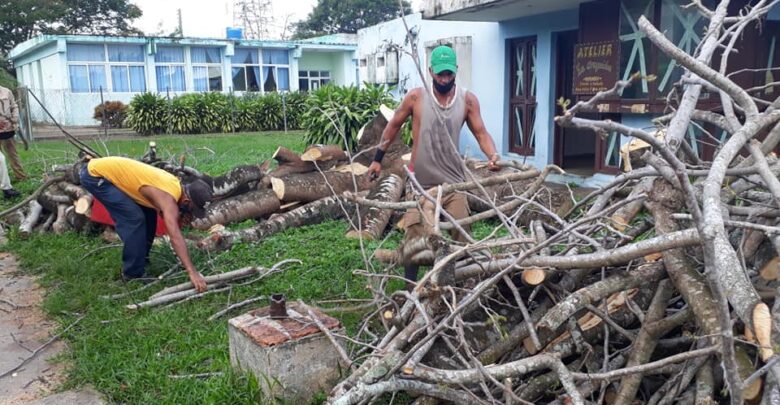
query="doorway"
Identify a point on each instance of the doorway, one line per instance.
(575, 149)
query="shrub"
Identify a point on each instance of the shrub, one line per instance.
(334, 115)
(113, 112)
(146, 113)
(182, 116)
(214, 112)
(295, 106)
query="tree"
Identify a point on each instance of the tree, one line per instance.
(21, 20)
(347, 16)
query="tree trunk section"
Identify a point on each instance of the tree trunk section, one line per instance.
(252, 204)
(313, 213)
(25, 229)
(237, 180)
(309, 187)
(374, 221)
(322, 153)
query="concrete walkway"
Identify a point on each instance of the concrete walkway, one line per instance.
(23, 329)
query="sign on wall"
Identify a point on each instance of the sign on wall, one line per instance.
(595, 67)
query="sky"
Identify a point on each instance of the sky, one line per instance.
(209, 18)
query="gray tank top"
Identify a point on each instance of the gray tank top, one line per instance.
(437, 160)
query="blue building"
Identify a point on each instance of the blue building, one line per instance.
(69, 72)
(520, 56)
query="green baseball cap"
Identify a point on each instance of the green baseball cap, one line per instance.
(443, 58)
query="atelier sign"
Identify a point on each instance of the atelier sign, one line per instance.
(595, 67)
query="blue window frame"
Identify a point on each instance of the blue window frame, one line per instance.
(115, 67)
(206, 68)
(169, 68)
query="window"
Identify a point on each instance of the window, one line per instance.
(246, 70)
(312, 79)
(522, 101)
(127, 68)
(88, 65)
(170, 68)
(206, 69)
(276, 69)
(683, 26)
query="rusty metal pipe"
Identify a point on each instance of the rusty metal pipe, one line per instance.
(278, 307)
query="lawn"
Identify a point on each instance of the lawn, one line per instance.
(130, 356)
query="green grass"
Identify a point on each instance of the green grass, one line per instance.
(128, 356)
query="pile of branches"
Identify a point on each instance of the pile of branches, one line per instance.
(660, 287)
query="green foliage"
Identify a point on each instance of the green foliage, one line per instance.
(20, 20)
(146, 114)
(334, 115)
(213, 112)
(113, 112)
(334, 16)
(129, 356)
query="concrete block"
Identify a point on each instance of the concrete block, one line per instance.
(290, 357)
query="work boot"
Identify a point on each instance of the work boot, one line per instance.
(10, 193)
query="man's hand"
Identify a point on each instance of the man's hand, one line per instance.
(198, 281)
(493, 163)
(374, 169)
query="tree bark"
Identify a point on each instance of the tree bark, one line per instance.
(313, 213)
(309, 187)
(374, 220)
(322, 153)
(252, 204)
(34, 214)
(237, 180)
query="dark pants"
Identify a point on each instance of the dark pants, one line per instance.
(135, 224)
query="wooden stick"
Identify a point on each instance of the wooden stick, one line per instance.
(213, 279)
(234, 306)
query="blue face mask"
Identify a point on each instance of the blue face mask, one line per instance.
(444, 88)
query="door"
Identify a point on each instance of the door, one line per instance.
(575, 149)
(522, 95)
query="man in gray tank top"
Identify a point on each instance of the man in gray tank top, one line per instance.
(437, 118)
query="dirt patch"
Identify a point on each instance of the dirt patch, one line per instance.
(24, 328)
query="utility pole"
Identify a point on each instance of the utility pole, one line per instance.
(181, 30)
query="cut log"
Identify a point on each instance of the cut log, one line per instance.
(369, 137)
(284, 155)
(309, 187)
(77, 221)
(322, 153)
(46, 225)
(533, 276)
(309, 214)
(238, 180)
(771, 269)
(34, 214)
(374, 221)
(83, 205)
(762, 322)
(50, 198)
(71, 190)
(60, 224)
(291, 163)
(746, 368)
(252, 204)
(355, 168)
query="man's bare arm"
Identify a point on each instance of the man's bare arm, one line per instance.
(401, 114)
(165, 203)
(477, 127)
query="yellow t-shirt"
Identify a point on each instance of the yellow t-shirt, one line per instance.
(130, 175)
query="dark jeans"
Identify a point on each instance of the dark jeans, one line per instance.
(135, 223)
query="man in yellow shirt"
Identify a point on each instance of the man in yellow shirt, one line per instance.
(134, 193)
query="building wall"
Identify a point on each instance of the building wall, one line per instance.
(484, 51)
(543, 27)
(44, 69)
